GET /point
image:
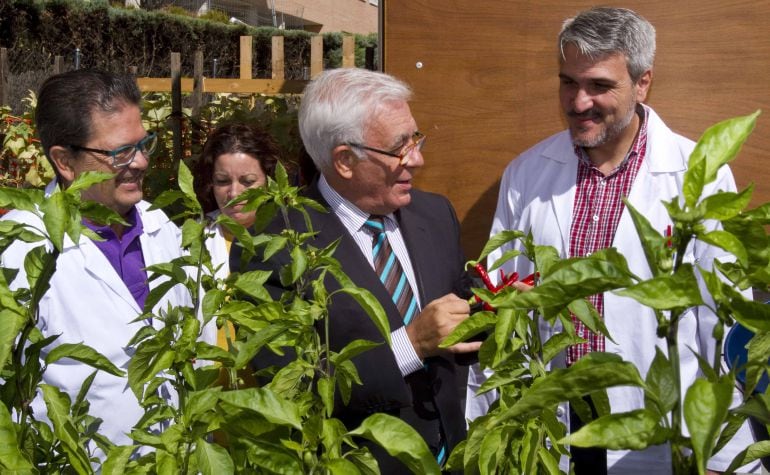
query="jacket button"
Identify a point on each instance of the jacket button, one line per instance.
(559, 412)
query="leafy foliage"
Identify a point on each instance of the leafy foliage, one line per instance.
(520, 434)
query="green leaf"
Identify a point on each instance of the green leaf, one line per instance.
(56, 217)
(185, 180)
(21, 199)
(116, 461)
(151, 357)
(666, 292)
(58, 405)
(653, 243)
(85, 180)
(253, 284)
(11, 324)
(84, 354)
(498, 240)
(574, 278)
(752, 314)
(751, 453)
(400, 440)
(372, 307)
(756, 362)
(725, 205)
(326, 391)
(661, 383)
(477, 323)
(593, 372)
(298, 263)
(705, 409)
(353, 349)
(635, 430)
(557, 343)
(212, 459)
(266, 403)
(718, 145)
(12, 459)
(275, 244)
(728, 242)
(275, 458)
(587, 313)
(340, 466)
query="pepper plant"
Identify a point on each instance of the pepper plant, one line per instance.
(28, 444)
(286, 425)
(521, 434)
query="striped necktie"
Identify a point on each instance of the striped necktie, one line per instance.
(389, 269)
(394, 279)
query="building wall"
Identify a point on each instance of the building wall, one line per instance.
(352, 16)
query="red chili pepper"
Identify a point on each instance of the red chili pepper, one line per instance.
(482, 271)
(668, 235)
(530, 279)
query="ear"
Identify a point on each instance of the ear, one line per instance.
(62, 158)
(643, 86)
(343, 161)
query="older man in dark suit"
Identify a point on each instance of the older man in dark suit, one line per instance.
(400, 243)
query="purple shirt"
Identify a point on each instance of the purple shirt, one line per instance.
(125, 254)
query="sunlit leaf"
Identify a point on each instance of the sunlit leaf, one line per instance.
(498, 240)
(666, 292)
(12, 459)
(266, 403)
(372, 307)
(635, 430)
(212, 459)
(705, 409)
(84, 354)
(400, 440)
(58, 404)
(718, 145)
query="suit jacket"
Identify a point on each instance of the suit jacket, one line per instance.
(431, 233)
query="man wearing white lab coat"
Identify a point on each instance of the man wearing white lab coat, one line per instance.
(612, 137)
(90, 121)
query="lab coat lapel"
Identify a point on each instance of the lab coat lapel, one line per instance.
(98, 265)
(560, 154)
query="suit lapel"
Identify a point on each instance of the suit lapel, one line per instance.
(353, 263)
(415, 236)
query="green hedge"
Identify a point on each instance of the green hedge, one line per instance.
(116, 38)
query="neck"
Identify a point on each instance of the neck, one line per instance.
(608, 156)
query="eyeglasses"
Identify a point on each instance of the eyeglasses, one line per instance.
(417, 141)
(123, 156)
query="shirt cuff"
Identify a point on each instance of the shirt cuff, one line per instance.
(406, 357)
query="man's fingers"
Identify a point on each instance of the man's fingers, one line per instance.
(465, 347)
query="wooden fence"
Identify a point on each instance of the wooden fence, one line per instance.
(199, 84)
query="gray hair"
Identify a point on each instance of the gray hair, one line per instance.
(339, 104)
(603, 31)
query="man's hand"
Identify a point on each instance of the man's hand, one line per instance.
(435, 322)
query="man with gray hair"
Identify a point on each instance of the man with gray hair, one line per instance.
(400, 243)
(568, 192)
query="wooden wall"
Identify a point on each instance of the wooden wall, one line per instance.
(487, 86)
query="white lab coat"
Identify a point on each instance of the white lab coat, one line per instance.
(88, 302)
(537, 193)
(217, 247)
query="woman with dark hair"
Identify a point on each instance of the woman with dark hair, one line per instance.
(234, 158)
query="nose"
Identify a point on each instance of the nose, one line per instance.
(140, 161)
(415, 158)
(234, 190)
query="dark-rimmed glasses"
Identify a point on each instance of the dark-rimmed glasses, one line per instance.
(124, 155)
(416, 143)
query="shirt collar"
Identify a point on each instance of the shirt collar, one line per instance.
(351, 215)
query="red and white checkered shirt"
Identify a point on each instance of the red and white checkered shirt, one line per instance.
(595, 216)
